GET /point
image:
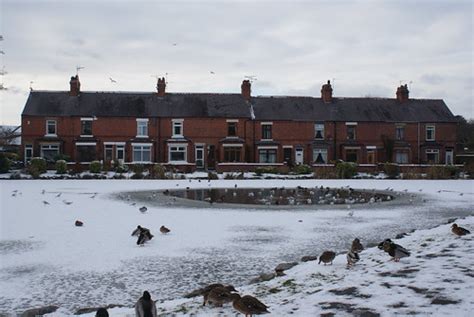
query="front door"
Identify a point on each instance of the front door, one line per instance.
(287, 156)
(199, 156)
(299, 156)
(211, 157)
(370, 157)
(449, 157)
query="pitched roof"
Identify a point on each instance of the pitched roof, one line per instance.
(182, 105)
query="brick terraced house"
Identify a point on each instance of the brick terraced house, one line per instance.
(230, 132)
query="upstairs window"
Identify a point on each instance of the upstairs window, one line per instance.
(142, 128)
(177, 128)
(231, 129)
(86, 127)
(319, 131)
(351, 132)
(430, 133)
(400, 133)
(266, 131)
(51, 127)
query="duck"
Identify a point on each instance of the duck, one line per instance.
(327, 257)
(353, 254)
(357, 246)
(459, 231)
(248, 305)
(164, 230)
(206, 290)
(396, 251)
(218, 296)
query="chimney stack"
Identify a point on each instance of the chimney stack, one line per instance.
(161, 87)
(75, 86)
(326, 92)
(245, 87)
(402, 93)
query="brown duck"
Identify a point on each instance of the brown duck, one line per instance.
(206, 290)
(219, 295)
(459, 231)
(357, 246)
(248, 305)
(164, 230)
(327, 257)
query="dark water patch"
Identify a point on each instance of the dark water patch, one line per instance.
(282, 196)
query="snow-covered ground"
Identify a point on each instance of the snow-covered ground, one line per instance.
(46, 260)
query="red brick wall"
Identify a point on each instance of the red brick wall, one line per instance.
(210, 131)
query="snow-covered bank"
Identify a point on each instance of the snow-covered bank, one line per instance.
(437, 279)
(47, 260)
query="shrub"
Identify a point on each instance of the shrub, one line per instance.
(266, 170)
(95, 167)
(211, 175)
(64, 157)
(158, 171)
(37, 166)
(391, 170)
(4, 163)
(119, 167)
(138, 170)
(61, 167)
(442, 172)
(346, 169)
(302, 169)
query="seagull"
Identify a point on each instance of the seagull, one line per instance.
(93, 196)
(113, 81)
(43, 191)
(58, 195)
(67, 202)
(45, 202)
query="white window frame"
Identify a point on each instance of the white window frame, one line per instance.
(319, 127)
(432, 151)
(141, 146)
(429, 128)
(268, 148)
(86, 135)
(178, 145)
(55, 127)
(324, 154)
(200, 147)
(142, 128)
(48, 147)
(354, 126)
(271, 130)
(400, 154)
(28, 147)
(177, 123)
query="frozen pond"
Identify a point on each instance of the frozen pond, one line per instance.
(49, 261)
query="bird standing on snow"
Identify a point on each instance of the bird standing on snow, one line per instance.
(164, 230)
(459, 231)
(396, 251)
(353, 254)
(327, 257)
(145, 306)
(219, 296)
(143, 209)
(206, 290)
(248, 305)
(45, 202)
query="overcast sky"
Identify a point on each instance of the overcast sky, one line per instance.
(366, 48)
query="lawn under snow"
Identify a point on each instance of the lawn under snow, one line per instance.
(46, 260)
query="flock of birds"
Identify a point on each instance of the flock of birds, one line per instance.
(219, 294)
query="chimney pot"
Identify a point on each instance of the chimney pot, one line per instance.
(74, 86)
(161, 87)
(246, 89)
(326, 92)
(402, 93)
